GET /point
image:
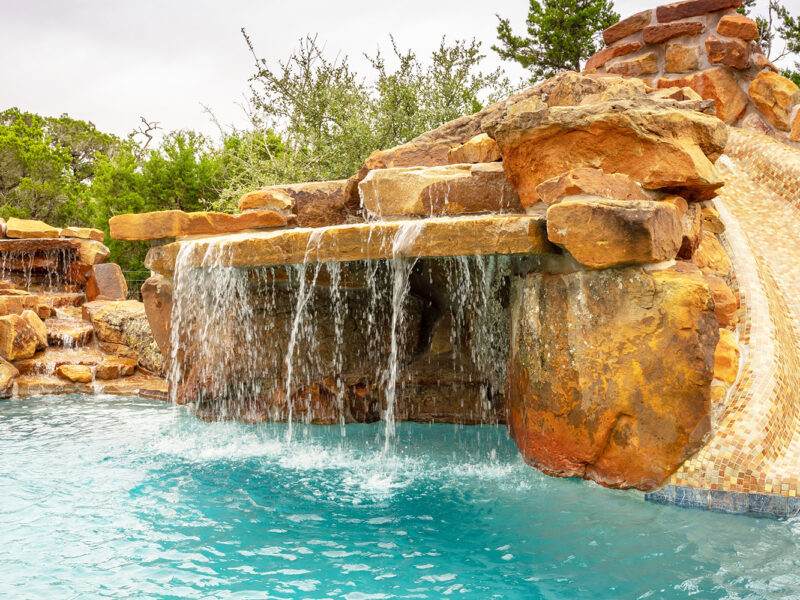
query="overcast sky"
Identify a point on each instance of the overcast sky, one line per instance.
(110, 61)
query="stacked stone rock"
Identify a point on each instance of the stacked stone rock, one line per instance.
(707, 46)
(45, 343)
(620, 304)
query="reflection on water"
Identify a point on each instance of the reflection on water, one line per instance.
(117, 498)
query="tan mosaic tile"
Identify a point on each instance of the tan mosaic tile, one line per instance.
(756, 447)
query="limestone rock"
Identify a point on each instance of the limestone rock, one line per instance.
(692, 8)
(477, 235)
(17, 339)
(645, 64)
(8, 373)
(435, 191)
(85, 233)
(68, 332)
(712, 221)
(610, 371)
(176, 223)
(124, 323)
(92, 252)
(726, 357)
(113, 367)
(38, 327)
(106, 282)
(726, 305)
(28, 228)
(315, 204)
(75, 373)
(711, 257)
(658, 34)
(738, 26)
(480, 149)
(602, 233)
(594, 182)
(18, 303)
(692, 229)
(715, 84)
(731, 53)
(157, 299)
(681, 58)
(626, 27)
(652, 142)
(600, 58)
(774, 95)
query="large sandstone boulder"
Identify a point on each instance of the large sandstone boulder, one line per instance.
(122, 329)
(106, 282)
(28, 228)
(480, 149)
(18, 340)
(654, 142)
(610, 372)
(437, 191)
(38, 327)
(314, 204)
(602, 233)
(176, 223)
(92, 252)
(614, 186)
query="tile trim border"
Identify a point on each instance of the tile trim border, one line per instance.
(747, 503)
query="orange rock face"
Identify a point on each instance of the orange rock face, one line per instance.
(315, 204)
(595, 182)
(603, 233)
(610, 372)
(645, 64)
(692, 8)
(775, 96)
(692, 229)
(175, 223)
(606, 54)
(480, 149)
(626, 27)
(726, 357)
(17, 339)
(738, 26)
(711, 257)
(681, 58)
(658, 34)
(715, 84)
(75, 373)
(731, 53)
(726, 306)
(616, 136)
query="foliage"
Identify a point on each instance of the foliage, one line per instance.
(561, 34)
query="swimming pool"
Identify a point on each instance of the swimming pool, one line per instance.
(108, 497)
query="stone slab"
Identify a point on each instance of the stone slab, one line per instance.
(436, 237)
(176, 223)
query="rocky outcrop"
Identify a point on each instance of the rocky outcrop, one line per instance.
(610, 371)
(657, 145)
(176, 223)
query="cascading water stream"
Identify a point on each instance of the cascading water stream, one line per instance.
(402, 265)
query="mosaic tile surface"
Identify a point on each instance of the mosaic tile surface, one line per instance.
(756, 448)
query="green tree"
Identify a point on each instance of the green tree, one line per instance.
(561, 34)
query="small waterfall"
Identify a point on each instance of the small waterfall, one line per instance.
(406, 234)
(339, 342)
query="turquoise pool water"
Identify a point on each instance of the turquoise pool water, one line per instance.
(130, 498)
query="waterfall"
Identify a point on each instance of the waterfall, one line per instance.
(334, 343)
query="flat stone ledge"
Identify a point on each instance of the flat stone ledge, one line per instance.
(420, 238)
(30, 245)
(753, 504)
(176, 223)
